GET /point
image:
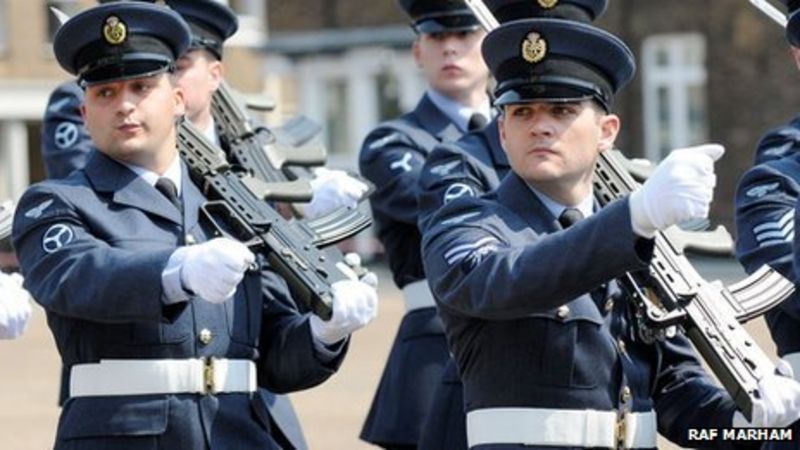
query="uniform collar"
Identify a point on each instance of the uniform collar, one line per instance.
(126, 187)
(455, 111)
(211, 133)
(586, 206)
(173, 173)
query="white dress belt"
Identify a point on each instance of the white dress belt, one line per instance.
(560, 427)
(418, 295)
(794, 360)
(162, 376)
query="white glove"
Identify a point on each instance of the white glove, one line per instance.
(779, 405)
(15, 306)
(213, 269)
(355, 304)
(680, 189)
(333, 189)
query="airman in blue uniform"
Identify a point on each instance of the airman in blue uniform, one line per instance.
(167, 334)
(474, 165)
(766, 199)
(545, 341)
(447, 51)
(67, 145)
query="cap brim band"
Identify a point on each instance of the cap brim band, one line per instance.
(120, 69)
(443, 23)
(550, 89)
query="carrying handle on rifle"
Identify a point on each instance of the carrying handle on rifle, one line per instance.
(771, 11)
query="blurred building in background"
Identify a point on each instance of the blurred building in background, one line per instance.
(709, 70)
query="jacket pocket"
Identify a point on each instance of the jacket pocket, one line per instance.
(573, 344)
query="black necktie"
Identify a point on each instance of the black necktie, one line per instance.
(569, 216)
(167, 187)
(476, 122)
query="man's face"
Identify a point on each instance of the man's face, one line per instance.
(134, 120)
(452, 61)
(198, 74)
(556, 143)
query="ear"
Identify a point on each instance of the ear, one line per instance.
(216, 71)
(180, 101)
(416, 52)
(609, 129)
(501, 126)
(83, 112)
(796, 56)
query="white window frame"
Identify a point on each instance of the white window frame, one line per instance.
(677, 78)
(253, 22)
(5, 27)
(359, 69)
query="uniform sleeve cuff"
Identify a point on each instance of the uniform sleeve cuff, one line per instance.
(173, 290)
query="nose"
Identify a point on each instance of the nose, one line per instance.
(541, 125)
(450, 45)
(126, 102)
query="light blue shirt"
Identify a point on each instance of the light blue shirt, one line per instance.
(586, 206)
(456, 112)
(173, 172)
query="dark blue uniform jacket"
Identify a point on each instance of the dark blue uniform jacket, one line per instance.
(93, 248)
(391, 157)
(503, 269)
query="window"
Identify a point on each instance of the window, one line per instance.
(337, 115)
(4, 32)
(675, 109)
(387, 95)
(68, 7)
(252, 21)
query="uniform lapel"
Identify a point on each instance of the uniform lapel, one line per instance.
(193, 199)
(436, 122)
(515, 195)
(126, 188)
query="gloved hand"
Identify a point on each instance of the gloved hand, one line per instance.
(680, 189)
(213, 269)
(779, 405)
(333, 189)
(355, 304)
(15, 306)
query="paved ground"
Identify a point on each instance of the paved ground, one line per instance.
(332, 414)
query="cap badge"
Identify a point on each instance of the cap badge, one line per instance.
(547, 4)
(534, 48)
(115, 31)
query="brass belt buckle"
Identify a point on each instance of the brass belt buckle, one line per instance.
(619, 431)
(208, 376)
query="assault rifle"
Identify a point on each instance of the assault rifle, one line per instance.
(269, 155)
(672, 293)
(771, 11)
(296, 249)
(281, 154)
